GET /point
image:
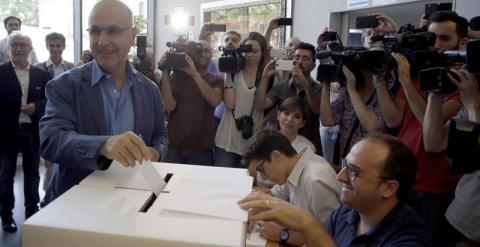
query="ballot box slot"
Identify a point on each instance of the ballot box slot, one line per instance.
(151, 199)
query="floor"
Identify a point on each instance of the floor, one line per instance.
(15, 239)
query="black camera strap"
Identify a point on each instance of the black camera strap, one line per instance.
(251, 111)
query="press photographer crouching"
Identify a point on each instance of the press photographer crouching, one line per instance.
(190, 94)
(237, 124)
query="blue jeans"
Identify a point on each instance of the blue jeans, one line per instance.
(226, 159)
(189, 156)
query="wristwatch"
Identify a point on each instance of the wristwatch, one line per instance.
(284, 235)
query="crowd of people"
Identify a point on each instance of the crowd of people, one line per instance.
(382, 180)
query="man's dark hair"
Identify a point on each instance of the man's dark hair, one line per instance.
(234, 33)
(8, 18)
(474, 23)
(307, 46)
(448, 15)
(55, 36)
(265, 143)
(400, 164)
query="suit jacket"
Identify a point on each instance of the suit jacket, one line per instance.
(43, 66)
(11, 97)
(74, 125)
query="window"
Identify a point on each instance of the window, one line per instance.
(41, 17)
(248, 16)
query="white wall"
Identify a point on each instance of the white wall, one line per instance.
(467, 8)
(309, 18)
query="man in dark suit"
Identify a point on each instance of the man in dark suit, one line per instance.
(22, 97)
(104, 110)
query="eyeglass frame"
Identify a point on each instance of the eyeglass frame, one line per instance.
(353, 172)
(261, 167)
(110, 30)
(21, 46)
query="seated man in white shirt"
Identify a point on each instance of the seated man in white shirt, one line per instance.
(304, 179)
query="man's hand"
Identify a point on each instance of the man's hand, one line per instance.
(126, 148)
(190, 69)
(28, 109)
(387, 24)
(467, 86)
(298, 77)
(262, 207)
(269, 230)
(163, 62)
(256, 196)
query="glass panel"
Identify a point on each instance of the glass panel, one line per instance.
(39, 18)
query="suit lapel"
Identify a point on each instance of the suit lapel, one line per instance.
(139, 106)
(93, 97)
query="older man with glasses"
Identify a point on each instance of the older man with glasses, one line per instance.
(304, 179)
(22, 97)
(104, 110)
(377, 176)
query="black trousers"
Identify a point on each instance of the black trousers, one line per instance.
(24, 143)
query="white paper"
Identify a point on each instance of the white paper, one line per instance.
(209, 194)
(153, 178)
(255, 239)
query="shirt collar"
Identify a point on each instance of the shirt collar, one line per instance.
(18, 68)
(49, 63)
(98, 74)
(297, 171)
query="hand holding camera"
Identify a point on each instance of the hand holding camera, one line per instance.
(387, 24)
(403, 66)
(467, 86)
(298, 77)
(351, 81)
(190, 68)
(269, 70)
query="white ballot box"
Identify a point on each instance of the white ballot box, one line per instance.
(116, 207)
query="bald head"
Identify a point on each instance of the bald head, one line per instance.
(111, 6)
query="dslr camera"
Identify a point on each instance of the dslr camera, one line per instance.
(176, 53)
(232, 60)
(245, 126)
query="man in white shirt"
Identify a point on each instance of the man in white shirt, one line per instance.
(304, 179)
(13, 23)
(55, 65)
(22, 97)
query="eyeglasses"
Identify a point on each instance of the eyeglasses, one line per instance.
(353, 172)
(21, 46)
(110, 31)
(261, 167)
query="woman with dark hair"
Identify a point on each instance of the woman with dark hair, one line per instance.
(238, 120)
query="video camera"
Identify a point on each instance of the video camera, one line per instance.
(435, 79)
(232, 60)
(176, 54)
(357, 59)
(463, 146)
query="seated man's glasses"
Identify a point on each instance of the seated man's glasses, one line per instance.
(261, 167)
(110, 31)
(353, 172)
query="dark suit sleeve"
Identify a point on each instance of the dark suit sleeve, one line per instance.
(40, 79)
(160, 137)
(60, 141)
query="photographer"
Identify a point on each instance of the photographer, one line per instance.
(356, 110)
(300, 84)
(148, 68)
(240, 116)
(433, 190)
(191, 94)
(462, 213)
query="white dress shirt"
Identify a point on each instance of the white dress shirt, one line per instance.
(312, 185)
(23, 76)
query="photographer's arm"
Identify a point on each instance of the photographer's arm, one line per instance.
(326, 115)
(272, 24)
(205, 34)
(166, 87)
(469, 93)
(229, 92)
(367, 118)
(262, 102)
(435, 133)
(392, 110)
(212, 95)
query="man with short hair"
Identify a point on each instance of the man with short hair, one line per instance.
(13, 23)
(377, 176)
(55, 65)
(304, 179)
(299, 84)
(22, 97)
(104, 110)
(474, 28)
(435, 184)
(191, 95)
